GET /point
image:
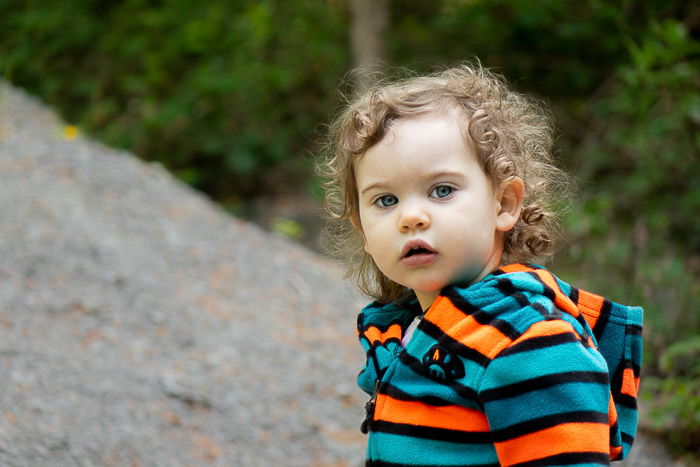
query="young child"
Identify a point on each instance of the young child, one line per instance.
(474, 356)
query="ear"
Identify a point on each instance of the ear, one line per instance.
(510, 203)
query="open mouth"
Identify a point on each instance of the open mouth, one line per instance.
(417, 251)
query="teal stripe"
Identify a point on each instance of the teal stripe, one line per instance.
(508, 310)
(403, 449)
(407, 380)
(627, 420)
(589, 396)
(418, 386)
(542, 362)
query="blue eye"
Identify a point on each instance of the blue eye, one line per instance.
(442, 191)
(386, 201)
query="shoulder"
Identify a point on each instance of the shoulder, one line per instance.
(506, 309)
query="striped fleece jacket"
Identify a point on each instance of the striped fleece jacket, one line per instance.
(518, 369)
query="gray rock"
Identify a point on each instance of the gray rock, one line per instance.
(142, 325)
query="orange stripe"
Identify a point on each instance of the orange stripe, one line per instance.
(373, 334)
(483, 338)
(590, 300)
(615, 452)
(562, 301)
(590, 305)
(517, 267)
(451, 417)
(612, 411)
(545, 328)
(569, 437)
(630, 384)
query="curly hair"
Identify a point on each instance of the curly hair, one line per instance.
(512, 134)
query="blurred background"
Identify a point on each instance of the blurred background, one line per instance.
(232, 97)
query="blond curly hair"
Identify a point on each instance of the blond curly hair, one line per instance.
(512, 134)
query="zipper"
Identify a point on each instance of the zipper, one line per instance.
(369, 409)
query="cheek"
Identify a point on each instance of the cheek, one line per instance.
(376, 242)
(372, 243)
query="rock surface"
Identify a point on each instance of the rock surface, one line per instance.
(140, 325)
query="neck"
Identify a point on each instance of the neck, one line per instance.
(426, 299)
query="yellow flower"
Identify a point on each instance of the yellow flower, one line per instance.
(70, 132)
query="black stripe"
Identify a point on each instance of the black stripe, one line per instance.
(614, 428)
(506, 287)
(372, 356)
(603, 319)
(633, 329)
(547, 290)
(581, 319)
(478, 314)
(379, 463)
(381, 328)
(541, 342)
(435, 434)
(625, 400)
(569, 458)
(453, 345)
(394, 340)
(396, 393)
(636, 369)
(549, 421)
(616, 387)
(542, 382)
(627, 438)
(619, 454)
(545, 312)
(573, 294)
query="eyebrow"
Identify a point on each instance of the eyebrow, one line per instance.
(371, 187)
(428, 175)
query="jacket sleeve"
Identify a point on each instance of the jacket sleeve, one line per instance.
(546, 396)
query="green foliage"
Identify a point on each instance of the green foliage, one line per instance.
(544, 45)
(636, 227)
(682, 358)
(674, 400)
(221, 93)
(643, 201)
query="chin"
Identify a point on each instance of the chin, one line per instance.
(432, 288)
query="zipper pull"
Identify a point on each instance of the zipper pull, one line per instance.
(369, 409)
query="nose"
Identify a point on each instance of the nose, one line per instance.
(413, 217)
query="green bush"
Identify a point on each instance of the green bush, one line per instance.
(222, 93)
(636, 229)
(674, 399)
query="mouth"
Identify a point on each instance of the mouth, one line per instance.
(417, 253)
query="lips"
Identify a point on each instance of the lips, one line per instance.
(417, 253)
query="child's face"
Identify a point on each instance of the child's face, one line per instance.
(429, 214)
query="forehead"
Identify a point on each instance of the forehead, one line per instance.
(444, 112)
(445, 126)
(428, 144)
